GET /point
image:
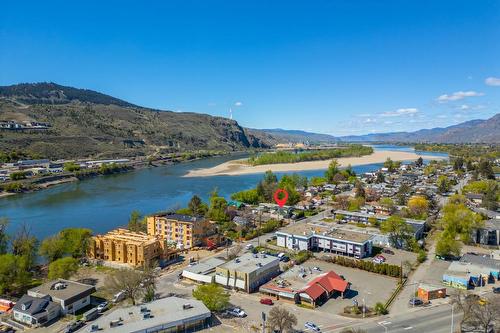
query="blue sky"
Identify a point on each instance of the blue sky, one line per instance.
(337, 67)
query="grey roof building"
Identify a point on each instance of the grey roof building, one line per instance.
(35, 311)
(70, 295)
(170, 314)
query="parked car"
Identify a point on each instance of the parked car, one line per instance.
(237, 312)
(416, 301)
(266, 301)
(101, 307)
(74, 326)
(285, 259)
(496, 290)
(6, 329)
(311, 326)
(249, 246)
(388, 251)
(119, 296)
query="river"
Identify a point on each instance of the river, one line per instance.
(104, 203)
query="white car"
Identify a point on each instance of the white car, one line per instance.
(237, 312)
(311, 326)
(101, 307)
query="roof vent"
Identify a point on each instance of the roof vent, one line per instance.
(187, 306)
(59, 286)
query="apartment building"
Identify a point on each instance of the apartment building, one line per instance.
(183, 230)
(316, 237)
(126, 247)
(359, 217)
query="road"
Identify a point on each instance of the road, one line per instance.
(425, 320)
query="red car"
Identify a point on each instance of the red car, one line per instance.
(266, 301)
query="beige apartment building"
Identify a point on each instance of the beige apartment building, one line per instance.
(127, 247)
(183, 230)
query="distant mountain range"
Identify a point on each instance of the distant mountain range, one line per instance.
(473, 131)
(299, 136)
(86, 123)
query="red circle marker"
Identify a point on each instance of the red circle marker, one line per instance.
(281, 202)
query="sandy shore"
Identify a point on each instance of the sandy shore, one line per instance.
(238, 167)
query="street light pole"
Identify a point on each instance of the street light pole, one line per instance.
(451, 329)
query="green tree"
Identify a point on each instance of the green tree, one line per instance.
(318, 181)
(443, 184)
(459, 220)
(197, 207)
(76, 241)
(71, 167)
(63, 268)
(213, 296)
(400, 233)
(447, 245)
(380, 308)
(217, 210)
(136, 222)
(4, 238)
(14, 272)
(18, 175)
(52, 248)
(333, 169)
(24, 244)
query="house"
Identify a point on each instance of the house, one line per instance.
(488, 234)
(476, 198)
(70, 295)
(319, 237)
(184, 231)
(247, 272)
(170, 314)
(35, 311)
(305, 286)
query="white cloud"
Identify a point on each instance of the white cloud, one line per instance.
(400, 112)
(456, 96)
(492, 81)
(442, 116)
(238, 104)
(369, 120)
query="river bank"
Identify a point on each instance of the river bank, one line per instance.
(240, 167)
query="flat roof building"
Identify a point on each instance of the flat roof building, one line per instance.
(319, 237)
(170, 314)
(247, 272)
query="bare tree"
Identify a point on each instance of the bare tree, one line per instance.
(280, 320)
(234, 251)
(133, 283)
(479, 314)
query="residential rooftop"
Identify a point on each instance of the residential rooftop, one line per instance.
(249, 262)
(62, 289)
(310, 229)
(180, 217)
(165, 313)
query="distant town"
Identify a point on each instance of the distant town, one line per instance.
(405, 239)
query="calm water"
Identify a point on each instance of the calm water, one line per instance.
(104, 203)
